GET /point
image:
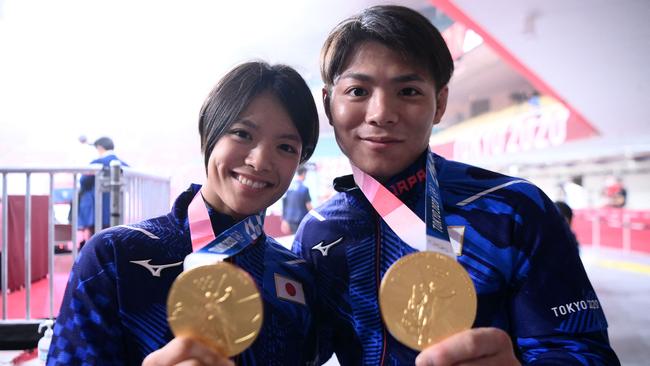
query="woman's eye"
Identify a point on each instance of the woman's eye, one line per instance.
(288, 148)
(409, 92)
(357, 92)
(241, 134)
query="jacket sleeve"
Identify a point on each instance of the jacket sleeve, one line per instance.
(555, 317)
(87, 330)
(579, 349)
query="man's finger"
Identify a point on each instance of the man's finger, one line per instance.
(466, 346)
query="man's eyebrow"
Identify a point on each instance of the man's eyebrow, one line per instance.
(408, 77)
(367, 78)
(356, 76)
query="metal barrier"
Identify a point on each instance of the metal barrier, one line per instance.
(134, 196)
(613, 228)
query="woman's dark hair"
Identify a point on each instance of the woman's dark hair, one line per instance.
(237, 89)
(399, 28)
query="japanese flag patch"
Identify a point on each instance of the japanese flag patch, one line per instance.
(288, 289)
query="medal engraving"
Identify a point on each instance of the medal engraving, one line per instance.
(218, 304)
(425, 297)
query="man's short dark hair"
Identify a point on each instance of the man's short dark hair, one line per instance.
(301, 170)
(399, 28)
(104, 142)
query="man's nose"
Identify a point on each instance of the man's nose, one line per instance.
(382, 109)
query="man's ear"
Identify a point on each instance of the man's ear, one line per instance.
(441, 104)
(326, 103)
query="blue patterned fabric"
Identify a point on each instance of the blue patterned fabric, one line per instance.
(518, 251)
(114, 310)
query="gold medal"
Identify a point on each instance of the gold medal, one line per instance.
(218, 304)
(425, 297)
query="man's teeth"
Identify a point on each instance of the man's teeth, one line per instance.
(251, 183)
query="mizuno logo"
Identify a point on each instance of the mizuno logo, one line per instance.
(155, 269)
(324, 249)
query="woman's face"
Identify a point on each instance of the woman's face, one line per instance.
(253, 163)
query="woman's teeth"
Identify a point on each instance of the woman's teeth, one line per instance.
(251, 183)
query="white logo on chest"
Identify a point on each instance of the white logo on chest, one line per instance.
(155, 269)
(324, 249)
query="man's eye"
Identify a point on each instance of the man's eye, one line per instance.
(357, 92)
(409, 92)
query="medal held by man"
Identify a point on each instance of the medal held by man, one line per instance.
(213, 301)
(425, 296)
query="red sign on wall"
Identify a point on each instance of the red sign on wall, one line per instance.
(514, 130)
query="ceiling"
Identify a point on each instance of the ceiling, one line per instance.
(591, 55)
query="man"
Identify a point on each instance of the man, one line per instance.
(386, 72)
(296, 202)
(615, 193)
(86, 218)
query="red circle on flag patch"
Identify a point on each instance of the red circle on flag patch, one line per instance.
(291, 290)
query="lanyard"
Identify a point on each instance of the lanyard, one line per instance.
(208, 248)
(433, 235)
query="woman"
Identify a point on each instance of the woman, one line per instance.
(256, 126)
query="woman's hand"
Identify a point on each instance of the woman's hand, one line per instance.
(186, 351)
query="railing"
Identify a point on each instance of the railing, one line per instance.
(613, 228)
(134, 196)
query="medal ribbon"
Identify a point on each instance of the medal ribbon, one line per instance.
(209, 248)
(433, 235)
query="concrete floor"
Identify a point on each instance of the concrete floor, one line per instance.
(622, 282)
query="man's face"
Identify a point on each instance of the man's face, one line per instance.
(382, 109)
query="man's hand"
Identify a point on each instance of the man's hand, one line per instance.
(186, 351)
(480, 346)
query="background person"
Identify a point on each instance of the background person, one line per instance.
(296, 202)
(86, 213)
(256, 126)
(566, 212)
(615, 194)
